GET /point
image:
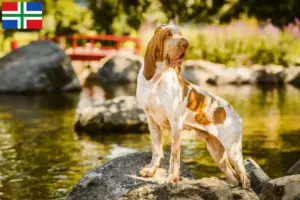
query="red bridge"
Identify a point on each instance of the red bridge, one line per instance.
(90, 48)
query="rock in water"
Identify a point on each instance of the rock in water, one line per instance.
(121, 67)
(118, 180)
(290, 75)
(37, 67)
(283, 188)
(118, 176)
(295, 169)
(257, 175)
(120, 114)
(203, 189)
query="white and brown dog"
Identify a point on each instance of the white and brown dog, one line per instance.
(173, 103)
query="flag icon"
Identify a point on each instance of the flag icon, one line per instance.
(22, 15)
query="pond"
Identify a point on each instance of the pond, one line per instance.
(41, 157)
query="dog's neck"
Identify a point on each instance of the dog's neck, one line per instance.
(162, 66)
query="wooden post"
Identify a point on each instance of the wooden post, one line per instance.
(92, 43)
(13, 44)
(138, 47)
(118, 46)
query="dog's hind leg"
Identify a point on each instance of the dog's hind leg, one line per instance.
(157, 151)
(236, 159)
(231, 138)
(218, 153)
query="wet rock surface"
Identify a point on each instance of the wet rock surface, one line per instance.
(120, 114)
(199, 71)
(283, 188)
(118, 179)
(40, 66)
(295, 169)
(119, 68)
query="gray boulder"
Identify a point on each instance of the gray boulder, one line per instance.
(266, 74)
(120, 114)
(40, 66)
(283, 188)
(290, 75)
(199, 71)
(256, 174)
(236, 76)
(119, 68)
(202, 189)
(295, 169)
(118, 179)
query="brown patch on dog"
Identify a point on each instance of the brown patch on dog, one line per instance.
(154, 52)
(197, 103)
(201, 118)
(219, 116)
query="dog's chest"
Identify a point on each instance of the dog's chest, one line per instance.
(161, 98)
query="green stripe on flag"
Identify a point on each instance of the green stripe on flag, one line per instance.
(25, 15)
(22, 17)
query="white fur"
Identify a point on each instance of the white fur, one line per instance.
(161, 99)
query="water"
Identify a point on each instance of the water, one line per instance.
(42, 158)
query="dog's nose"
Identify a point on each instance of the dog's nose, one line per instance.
(184, 43)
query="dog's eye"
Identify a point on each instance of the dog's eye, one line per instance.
(169, 34)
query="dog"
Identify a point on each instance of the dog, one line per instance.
(171, 102)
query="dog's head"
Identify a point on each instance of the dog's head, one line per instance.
(167, 44)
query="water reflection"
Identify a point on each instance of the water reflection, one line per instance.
(41, 157)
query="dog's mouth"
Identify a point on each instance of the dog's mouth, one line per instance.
(181, 56)
(178, 59)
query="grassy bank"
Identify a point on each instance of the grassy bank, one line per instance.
(242, 42)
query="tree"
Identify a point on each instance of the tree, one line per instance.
(118, 16)
(279, 12)
(195, 11)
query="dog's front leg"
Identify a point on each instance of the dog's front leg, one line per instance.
(157, 151)
(173, 175)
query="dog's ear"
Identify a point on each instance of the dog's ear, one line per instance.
(154, 52)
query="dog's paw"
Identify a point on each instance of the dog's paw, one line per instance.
(172, 179)
(148, 171)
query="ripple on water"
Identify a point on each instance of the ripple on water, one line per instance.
(42, 158)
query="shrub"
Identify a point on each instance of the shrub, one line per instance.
(241, 43)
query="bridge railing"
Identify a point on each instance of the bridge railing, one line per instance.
(92, 52)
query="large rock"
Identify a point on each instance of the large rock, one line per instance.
(199, 71)
(37, 67)
(118, 180)
(202, 189)
(116, 115)
(236, 76)
(283, 188)
(120, 67)
(256, 174)
(295, 169)
(290, 75)
(118, 176)
(266, 74)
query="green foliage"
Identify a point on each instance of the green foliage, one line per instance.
(195, 11)
(239, 43)
(118, 16)
(65, 17)
(277, 11)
